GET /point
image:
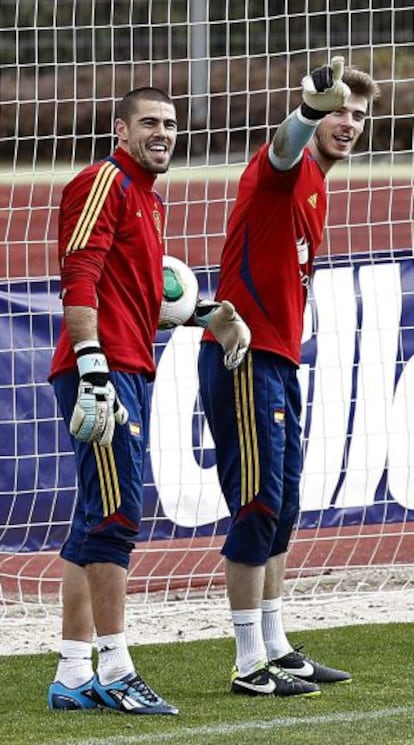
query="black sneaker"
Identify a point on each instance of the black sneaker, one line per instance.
(257, 683)
(289, 685)
(301, 666)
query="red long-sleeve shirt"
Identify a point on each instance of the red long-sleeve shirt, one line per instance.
(274, 230)
(111, 225)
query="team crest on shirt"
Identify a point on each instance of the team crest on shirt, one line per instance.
(313, 200)
(156, 215)
(279, 416)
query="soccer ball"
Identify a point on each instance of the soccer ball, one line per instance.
(180, 295)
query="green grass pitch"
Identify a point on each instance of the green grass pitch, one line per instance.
(377, 707)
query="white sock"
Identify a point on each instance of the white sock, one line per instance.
(275, 639)
(250, 648)
(114, 660)
(75, 663)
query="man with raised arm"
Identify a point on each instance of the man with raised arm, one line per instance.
(111, 226)
(253, 412)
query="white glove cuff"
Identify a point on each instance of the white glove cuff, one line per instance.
(91, 361)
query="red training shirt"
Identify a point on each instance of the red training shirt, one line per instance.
(111, 226)
(274, 230)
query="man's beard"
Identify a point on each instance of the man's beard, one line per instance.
(148, 165)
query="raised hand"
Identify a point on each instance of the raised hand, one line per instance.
(324, 90)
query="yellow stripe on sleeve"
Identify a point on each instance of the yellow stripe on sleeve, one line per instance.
(92, 208)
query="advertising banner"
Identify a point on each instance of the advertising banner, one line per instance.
(357, 380)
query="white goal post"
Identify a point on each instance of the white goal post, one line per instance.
(234, 71)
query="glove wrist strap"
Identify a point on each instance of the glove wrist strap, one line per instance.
(90, 344)
(310, 114)
(204, 312)
(92, 364)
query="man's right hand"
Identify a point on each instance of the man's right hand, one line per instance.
(324, 90)
(97, 407)
(96, 410)
(231, 332)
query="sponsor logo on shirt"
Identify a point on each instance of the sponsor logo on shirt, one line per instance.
(313, 200)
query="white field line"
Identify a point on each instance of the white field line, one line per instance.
(220, 730)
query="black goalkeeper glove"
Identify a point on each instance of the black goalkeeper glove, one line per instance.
(324, 90)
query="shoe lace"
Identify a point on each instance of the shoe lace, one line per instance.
(142, 689)
(276, 672)
(259, 675)
(299, 651)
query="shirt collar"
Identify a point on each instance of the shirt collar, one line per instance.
(133, 169)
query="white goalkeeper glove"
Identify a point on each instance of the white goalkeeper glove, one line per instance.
(324, 90)
(97, 407)
(227, 326)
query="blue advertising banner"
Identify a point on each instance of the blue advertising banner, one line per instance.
(357, 379)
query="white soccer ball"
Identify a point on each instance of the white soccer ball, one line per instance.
(180, 295)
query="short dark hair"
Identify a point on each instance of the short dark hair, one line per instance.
(361, 83)
(128, 104)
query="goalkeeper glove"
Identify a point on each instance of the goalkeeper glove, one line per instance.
(227, 326)
(97, 407)
(324, 90)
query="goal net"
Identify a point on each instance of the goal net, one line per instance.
(234, 71)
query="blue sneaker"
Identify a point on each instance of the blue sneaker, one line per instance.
(131, 696)
(61, 697)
